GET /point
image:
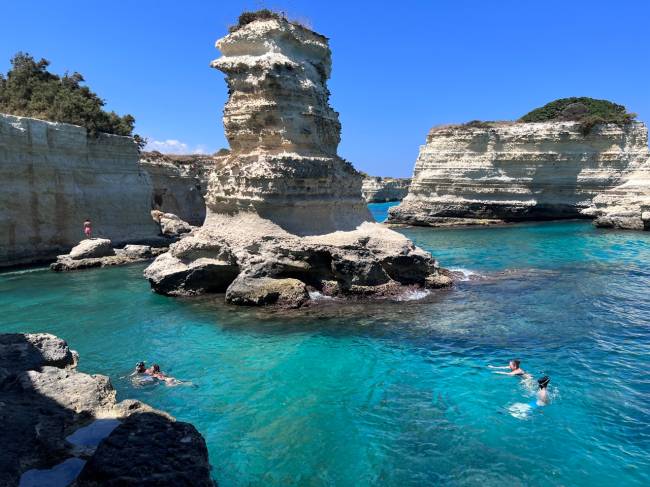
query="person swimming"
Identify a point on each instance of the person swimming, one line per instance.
(541, 398)
(154, 371)
(522, 410)
(140, 374)
(515, 369)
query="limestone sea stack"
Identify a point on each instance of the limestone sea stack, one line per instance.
(54, 176)
(515, 171)
(376, 189)
(284, 212)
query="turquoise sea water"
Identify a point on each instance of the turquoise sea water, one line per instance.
(380, 210)
(395, 393)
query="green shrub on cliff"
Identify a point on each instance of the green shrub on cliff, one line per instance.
(588, 111)
(264, 14)
(30, 90)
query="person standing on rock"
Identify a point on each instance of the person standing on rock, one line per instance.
(88, 229)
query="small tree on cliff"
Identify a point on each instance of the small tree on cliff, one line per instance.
(30, 90)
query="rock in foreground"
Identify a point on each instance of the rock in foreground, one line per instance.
(284, 212)
(149, 450)
(45, 402)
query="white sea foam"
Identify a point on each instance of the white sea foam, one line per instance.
(24, 271)
(413, 295)
(466, 273)
(317, 296)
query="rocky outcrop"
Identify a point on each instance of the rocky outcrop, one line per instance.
(284, 211)
(179, 183)
(381, 189)
(170, 225)
(99, 252)
(54, 177)
(46, 405)
(626, 206)
(518, 171)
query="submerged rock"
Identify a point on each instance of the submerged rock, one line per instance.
(284, 212)
(513, 171)
(44, 400)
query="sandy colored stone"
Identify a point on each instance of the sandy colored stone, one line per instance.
(518, 171)
(54, 176)
(381, 189)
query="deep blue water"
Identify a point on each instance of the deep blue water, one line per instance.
(393, 393)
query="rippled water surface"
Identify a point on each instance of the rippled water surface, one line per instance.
(396, 393)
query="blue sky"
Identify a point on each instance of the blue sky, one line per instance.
(398, 68)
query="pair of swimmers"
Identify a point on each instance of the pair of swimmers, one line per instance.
(514, 366)
(149, 374)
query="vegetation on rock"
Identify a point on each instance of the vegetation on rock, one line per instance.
(264, 14)
(30, 90)
(588, 111)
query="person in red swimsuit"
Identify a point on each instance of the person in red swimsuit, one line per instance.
(88, 229)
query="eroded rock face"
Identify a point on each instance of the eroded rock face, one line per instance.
(44, 400)
(283, 134)
(284, 213)
(381, 189)
(626, 206)
(54, 177)
(518, 171)
(179, 183)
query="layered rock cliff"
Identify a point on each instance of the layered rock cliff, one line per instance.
(284, 212)
(381, 189)
(626, 206)
(55, 176)
(179, 183)
(518, 171)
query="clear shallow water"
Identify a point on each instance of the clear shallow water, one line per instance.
(380, 210)
(393, 393)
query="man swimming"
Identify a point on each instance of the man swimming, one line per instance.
(514, 367)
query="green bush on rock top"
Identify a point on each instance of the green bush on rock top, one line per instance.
(30, 90)
(588, 111)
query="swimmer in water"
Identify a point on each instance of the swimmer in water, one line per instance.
(155, 372)
(542, 394)
(514, 367)
(140, 374)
